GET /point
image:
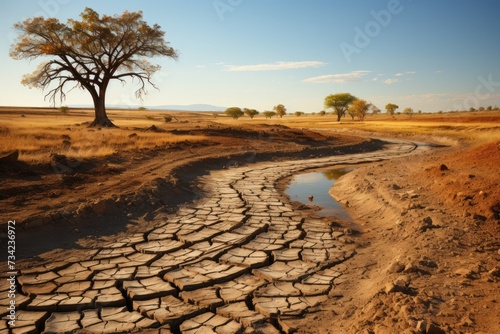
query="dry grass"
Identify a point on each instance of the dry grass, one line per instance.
(36, 134)
(477, 127)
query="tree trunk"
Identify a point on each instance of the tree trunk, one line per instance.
(339, 116)
(101, 119)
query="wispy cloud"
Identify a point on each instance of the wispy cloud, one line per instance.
(277, 66)
(339, 78)
(400, 74)
(390, 81)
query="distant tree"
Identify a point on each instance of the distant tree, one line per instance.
(141, 108)
(420, 111)
(408, 111)
(375, 110)
(234, 112)
(90, 53)
(481, 108)
(250, 112)
(269, 114)
(340, 103)
(351, 113)
(322, 113)
(391, 108)
(299, 113)
(489, 108)
(280, 110)
(472, 109)
(64, 109)
(359, 108)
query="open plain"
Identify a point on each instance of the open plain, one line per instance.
(183, 226)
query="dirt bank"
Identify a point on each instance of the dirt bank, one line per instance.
(428, 260)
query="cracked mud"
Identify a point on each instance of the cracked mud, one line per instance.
(241, 259)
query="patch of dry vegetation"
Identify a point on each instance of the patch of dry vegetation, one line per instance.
(475, 127)
(37, 134)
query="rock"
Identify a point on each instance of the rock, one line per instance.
(66, 137)
(479, 217)
(390, 288)
(426, 224)
(465, 272)
(494, 272)
(395, 187)
(133, 135)
(102, 206)
(421, 326)
(434, 329)
(428, 263)
(10, 158)
(411, 268)
(396, 267)
(443, 167)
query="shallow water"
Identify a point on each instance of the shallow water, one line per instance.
(318, 184)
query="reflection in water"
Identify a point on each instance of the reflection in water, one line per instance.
(314, 187)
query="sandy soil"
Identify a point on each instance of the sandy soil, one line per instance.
(428, 243)
(430, 246)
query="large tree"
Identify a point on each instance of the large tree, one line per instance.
(90, 53)
(340, 103)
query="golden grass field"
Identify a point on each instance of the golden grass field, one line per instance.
(38, 132)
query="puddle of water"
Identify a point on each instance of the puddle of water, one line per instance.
(318, 184)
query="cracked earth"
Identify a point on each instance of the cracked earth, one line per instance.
(240, 259)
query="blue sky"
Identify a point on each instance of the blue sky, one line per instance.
(426, 54)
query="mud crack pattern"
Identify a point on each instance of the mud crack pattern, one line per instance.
(239, 260)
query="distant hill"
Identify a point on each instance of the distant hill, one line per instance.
(190, 107)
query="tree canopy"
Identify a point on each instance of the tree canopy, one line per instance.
(408, 111)
(269, 114)
(234, 112)
(90, 53)
(250, 112)
(280, 110)
(339, 102)
(391, 108)
(359, 108)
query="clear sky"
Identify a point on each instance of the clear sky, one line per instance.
(426, 54)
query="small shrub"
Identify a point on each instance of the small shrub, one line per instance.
(64, 109)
